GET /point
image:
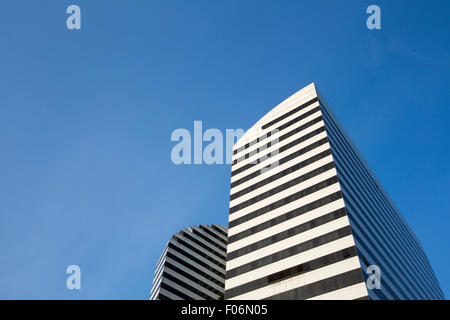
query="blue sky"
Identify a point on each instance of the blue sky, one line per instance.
(86, 118)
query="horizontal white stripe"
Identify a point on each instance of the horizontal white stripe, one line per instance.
(275, 142)
(203, 250)
(278, 156)
(297, 99)
(204, 272)
(208, 236)
(224, 229)
(291, 261)
(169, 294)
(281, 180)
(285, 193)
(163, 255)
(191, 283)
(155, 289)
(211, 247)
(216, 232)
(301, 280)
(286, 165)
(258, 133)
(355, 291)
(289, 242)
(310, 215)
(195, 255)
(182, 290)
(159, 268)
(304, 95)
(286, 208)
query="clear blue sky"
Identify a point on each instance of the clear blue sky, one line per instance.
(86, 118)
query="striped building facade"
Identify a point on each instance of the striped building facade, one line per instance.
(192, 265)
(307, 215)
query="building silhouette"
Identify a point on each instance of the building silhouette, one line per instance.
(192, 265)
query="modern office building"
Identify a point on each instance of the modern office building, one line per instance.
(307, 215)
(192, 265)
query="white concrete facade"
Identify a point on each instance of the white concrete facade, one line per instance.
(284, 242)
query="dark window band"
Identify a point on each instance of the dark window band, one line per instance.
(292, 272)
(204, 246)
(279, 150)
(282, 202)
(186, 286)
(195, 279)
(204, 254)
(196, 270)
(280, 162)
(287, 233)
(287, 114)
(283, 254)
(219, 231)
(214, 235)
(282, 137)
(279, 139)
(283, 187)
(220, 248)
(340, 281)
(277, 120)
(285, 217)
(198, 261)
(162, 297)
(281, 174)
(175, 291)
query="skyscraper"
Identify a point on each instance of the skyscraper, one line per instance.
(308, 217)
(192, 265)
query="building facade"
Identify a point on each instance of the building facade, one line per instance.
(308, 217)
(192, 265)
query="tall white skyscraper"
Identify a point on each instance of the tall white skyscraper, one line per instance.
(192, 265)
(308, 217)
